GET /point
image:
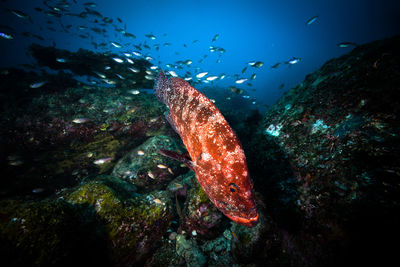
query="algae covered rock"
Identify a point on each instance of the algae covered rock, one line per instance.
(133, 225)
(249, 243)
(145, 167)
(165, 255)
(219, 250)
(200, 216)
(340, 132)
(189, 250)
(50, 233)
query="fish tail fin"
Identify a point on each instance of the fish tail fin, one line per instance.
(160, 86)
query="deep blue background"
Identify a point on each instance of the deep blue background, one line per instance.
(268, 31)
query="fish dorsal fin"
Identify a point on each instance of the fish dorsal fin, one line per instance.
(185, 158)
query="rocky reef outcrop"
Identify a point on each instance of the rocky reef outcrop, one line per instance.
(339, 132)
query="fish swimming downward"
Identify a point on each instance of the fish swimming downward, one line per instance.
(216, 155)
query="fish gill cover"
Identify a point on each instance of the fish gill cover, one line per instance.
(83, 138)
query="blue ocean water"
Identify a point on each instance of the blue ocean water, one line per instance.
(249, 31)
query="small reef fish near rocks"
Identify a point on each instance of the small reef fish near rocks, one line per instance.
(102, 161)
(216, 155)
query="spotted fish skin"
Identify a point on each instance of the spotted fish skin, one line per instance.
(217, 156)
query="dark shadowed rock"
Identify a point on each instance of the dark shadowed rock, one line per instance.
(340, 131)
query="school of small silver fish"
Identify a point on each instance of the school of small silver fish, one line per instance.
(98, 31)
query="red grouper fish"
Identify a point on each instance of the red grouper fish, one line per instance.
(216, 155)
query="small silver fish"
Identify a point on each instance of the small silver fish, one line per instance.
(118, 60)
(201, 74)
(102, 161)
(162, 166)
(135, 70)
(240, 81)
(37, 84)
(134, 92)
(211, 78)
(80, 120)
(346, 44)
(107, 81)
(115, 44)
(173, 73)
(19, 14)
(158, 201)
(101, 75)
(38, 190)
(151, 175)
(120, 76)
(258, 64)
(293, 61)
(150, 36)
(6, 36)
(312, 20)
(215, 38)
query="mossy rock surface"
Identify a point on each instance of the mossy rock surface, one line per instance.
(134, 224)
(50, 233)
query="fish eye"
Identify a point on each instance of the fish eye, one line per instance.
(233, 187)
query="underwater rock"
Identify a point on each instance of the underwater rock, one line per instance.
(199, 215)
(86, 62)
(146, 168)
(72, 129)
(219, 250)
(165, 256)
(340, 132)
(50, 232)
(189, 250)
(134, 225)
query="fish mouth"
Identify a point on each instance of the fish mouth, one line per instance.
(250, 222)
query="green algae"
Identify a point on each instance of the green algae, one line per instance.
(200, 194)
(131, 223)
(48, 233)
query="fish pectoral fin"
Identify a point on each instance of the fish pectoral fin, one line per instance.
(185, 158)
